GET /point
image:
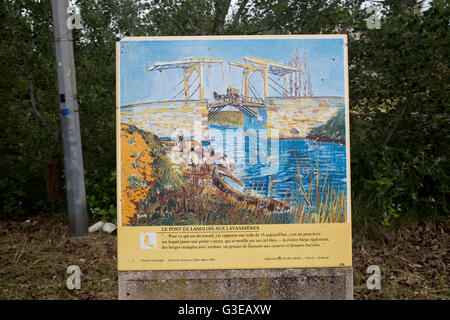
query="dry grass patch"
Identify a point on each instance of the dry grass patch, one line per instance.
(35, 255)
(414, 263)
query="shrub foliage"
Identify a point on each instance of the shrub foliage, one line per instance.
(399, 84)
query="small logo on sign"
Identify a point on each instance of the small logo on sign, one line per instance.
(148, 240)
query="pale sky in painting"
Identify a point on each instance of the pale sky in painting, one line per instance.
(325, 55)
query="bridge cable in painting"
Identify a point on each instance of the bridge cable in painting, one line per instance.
(185, 88)
(189, 65)
(178, 84)
(264, 67)
(177, 94)
(229, 75)
(194, 91)
(254, 94)
(221, 69)
(279, 86)
(275, 89)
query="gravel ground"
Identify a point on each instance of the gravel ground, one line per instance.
(36, 251)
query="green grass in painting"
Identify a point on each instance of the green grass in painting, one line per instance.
(181, 196)
(196, 202)
(332, 131)
(228, 118)
(320, 204)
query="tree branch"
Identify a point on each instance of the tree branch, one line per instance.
(265, 28)
(238, 14)
(86, 133)
(36, 111)
(174, 21)
(220, 12)
(400, 118)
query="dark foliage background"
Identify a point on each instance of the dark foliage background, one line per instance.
(399, 84)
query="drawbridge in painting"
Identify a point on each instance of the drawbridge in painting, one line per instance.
(242, 150)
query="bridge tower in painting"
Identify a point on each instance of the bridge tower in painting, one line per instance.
(265, 67)
(189, 65)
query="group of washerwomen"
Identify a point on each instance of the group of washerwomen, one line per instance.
(193, 155)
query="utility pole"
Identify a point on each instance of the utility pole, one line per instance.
(70, 122)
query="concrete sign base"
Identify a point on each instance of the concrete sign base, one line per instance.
(260, 284)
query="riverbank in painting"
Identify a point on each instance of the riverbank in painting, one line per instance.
(160, 190)
(332, 131)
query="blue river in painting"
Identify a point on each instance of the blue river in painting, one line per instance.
(270, 167)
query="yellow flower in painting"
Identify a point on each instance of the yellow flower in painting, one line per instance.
(136, 172)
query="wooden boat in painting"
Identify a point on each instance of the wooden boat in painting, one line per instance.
(219, 174)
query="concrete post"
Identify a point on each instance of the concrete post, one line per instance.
(70, 123)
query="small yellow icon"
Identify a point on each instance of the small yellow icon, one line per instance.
(147, 242)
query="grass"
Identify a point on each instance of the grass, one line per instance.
(34, 258)
(332, 131)
(175, 198)
(197, 202)
(322, 204)
(228, 118)
(413, 260)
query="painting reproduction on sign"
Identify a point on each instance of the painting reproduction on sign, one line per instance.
(217, 133)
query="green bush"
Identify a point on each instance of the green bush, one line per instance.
(101, 197)
(398, 74)
(21, 194)
(400, 123)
